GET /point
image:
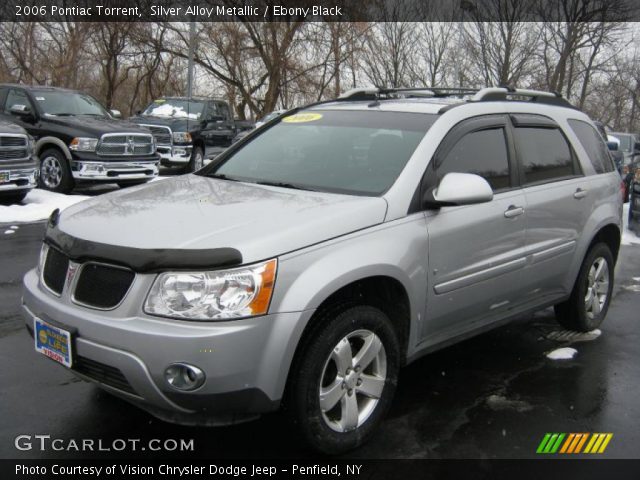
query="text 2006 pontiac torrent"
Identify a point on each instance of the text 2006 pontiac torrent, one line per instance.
(321, 253)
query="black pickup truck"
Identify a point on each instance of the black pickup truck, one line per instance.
(188, 130)
(18, 166)
(77, 140)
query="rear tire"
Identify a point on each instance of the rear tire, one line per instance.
(55, 173)
(338, 394)
(588, 304)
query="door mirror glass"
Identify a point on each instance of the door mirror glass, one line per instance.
(20, 110)
(460, 189)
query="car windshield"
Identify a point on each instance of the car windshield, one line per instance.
(68, 103)
(171, 107)
(352, 152)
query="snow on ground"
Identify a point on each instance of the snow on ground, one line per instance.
(628, 237)
(38, 205)
(565, 353)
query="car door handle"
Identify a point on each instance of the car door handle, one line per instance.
(513, 211)
(580, 193)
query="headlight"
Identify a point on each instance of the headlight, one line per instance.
(43, 257)
(215, 295)
(181, 137)
(83, 144)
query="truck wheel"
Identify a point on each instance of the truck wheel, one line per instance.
(10, 198)
(55, 174)
(344, 378)
(197, 160)
(131, 183)
(587, 306)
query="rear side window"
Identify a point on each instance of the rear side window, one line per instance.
(594, 145)
(544, 154)
(483, 153)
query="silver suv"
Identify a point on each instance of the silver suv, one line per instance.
(325, 250)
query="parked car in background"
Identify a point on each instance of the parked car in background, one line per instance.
(269, 116)
(187, 130)
(315, 258)
(627, 145)
(18, 165)
(634, 202)
(77, 140)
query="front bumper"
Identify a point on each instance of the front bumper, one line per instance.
(174, 154)
(18, 179)
(245, 361)
(114, 171)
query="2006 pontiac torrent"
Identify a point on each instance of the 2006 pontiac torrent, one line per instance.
(327, 249)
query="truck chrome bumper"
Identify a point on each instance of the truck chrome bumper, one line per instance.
(171, 155)
(114, 171)
(18, 179)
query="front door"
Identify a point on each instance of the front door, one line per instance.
(476, 252)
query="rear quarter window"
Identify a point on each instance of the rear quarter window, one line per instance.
(594, 145)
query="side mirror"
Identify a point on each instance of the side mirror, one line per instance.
(115, 113)
(612, 146)
(636, 147)
(23, 111)
(138, 112)
(459, 189)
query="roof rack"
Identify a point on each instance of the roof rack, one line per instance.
(489, 94)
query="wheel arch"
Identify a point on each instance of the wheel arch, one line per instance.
(47, 142)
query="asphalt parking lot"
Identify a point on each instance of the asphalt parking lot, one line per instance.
(493, 396)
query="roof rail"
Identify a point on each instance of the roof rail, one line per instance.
(503, 93)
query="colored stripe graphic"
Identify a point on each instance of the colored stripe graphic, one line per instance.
(574, 442)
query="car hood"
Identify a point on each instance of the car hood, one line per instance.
(8, 127)
(196, 212)
(175, 124)
(95, 126)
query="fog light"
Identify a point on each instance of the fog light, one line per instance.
(183, 376)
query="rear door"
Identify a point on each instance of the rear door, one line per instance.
(558, 199)
(475, 251)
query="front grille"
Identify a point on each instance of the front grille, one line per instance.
(6, 141)
(13, 154)
(13, 147)
(102, 373)
(162, 135)
(102, 286)
(55, 270)
(126, 144)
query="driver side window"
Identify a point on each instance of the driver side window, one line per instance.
(483, 153)
(16, 97)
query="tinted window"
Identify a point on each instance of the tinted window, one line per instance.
(483, 153)
(544, 154)
(16, 97)
(594, 146)
(353, 152)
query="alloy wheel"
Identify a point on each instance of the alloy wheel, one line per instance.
(597, 287)
(352, 380)
(51, 172)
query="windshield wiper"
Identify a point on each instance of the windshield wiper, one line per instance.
(286, 185)
(222, 176)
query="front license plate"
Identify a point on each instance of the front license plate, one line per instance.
(4, 177)
(54, 342)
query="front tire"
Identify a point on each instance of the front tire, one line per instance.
(588, 304)
(197, 160)
(344, 378)
(55, 174)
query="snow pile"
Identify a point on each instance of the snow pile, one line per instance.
(38, 205)
(167, 110)
(565, 353)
